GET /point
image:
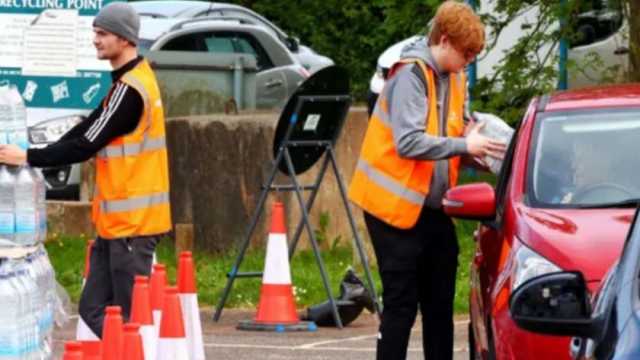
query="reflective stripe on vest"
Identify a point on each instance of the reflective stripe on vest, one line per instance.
(113, 151)
(111, 206)
(390, 185)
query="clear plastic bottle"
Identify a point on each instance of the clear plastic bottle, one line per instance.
(7, 208)
(41, 205)
(18, 131)
(26, 214)
(9, 334)
(5, 115)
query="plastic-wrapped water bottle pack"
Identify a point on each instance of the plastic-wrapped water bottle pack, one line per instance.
(31, 301)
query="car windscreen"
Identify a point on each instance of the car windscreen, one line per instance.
(585, 159)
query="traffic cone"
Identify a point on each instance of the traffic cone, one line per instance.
(189, 303)
(277, 308)
(91, 349)
(141, 314)
(172, 344)
(83, 332)
(157, 285)
(112, 334)
(72, 351)
(132, 343)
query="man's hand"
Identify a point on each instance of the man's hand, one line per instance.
(12, 155)
(480, 145)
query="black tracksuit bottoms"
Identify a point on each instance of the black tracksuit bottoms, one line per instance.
(113, 265)
(418, 269)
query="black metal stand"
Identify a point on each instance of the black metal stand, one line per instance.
(284, 155)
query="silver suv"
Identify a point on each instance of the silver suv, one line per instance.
(279, 74)
(306, 56)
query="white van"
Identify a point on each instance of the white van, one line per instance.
(604, 32)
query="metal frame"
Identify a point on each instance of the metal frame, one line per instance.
(284, 155)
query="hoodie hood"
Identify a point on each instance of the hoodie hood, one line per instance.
(419, 49)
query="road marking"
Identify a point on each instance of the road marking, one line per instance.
(326, 342)
(303, 348)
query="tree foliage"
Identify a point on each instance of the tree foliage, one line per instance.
(354, 33)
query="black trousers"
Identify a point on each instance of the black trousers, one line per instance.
(418, 269)
(114, 263)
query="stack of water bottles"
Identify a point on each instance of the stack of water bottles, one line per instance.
(29, 299)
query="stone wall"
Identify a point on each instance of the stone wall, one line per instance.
(218, 164)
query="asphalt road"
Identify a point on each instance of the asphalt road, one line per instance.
(357, 341)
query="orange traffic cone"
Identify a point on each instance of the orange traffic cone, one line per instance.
(277, 308)
(157, 285)
(189, 302)
(112, 334)
(83, 332)
(72, 351)
(172, 344)
(141, 314)
(91, 349)
(132, 343)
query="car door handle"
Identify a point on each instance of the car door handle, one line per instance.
(274, 83)
(622, 50)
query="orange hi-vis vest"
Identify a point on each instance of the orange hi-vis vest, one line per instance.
(393, 188)
(132, 174)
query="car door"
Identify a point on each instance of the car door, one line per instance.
(601, 50)
(271, 85)
(488, 255)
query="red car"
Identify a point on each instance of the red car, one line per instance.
(564, 201)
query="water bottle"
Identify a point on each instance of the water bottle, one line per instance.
(7, 210)
(31, 308)
(5, 115)
(9, 334)
(41, 204)
(18, 131)
(25, 208)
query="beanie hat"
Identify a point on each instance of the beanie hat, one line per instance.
(121, 19)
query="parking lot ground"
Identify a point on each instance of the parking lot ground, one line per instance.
(357, 341)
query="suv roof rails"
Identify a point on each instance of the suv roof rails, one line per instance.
(240, 20)
(153, 15)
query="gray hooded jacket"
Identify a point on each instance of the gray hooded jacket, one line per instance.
(407, 101)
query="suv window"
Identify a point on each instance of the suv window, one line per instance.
(239, 43)
(190, 42)
(224, 42)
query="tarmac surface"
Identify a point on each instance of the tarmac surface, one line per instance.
(356, 341)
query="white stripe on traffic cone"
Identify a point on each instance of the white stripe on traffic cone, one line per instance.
(189, 303)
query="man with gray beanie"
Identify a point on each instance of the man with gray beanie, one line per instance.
(126, 135)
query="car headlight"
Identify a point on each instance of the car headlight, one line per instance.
(529, 264)
(52, 130)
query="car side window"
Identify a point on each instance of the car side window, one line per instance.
(238, 43)
(505, 174)
(189, 42)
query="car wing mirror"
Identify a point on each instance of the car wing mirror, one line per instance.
(472, 201)
(554, 304)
